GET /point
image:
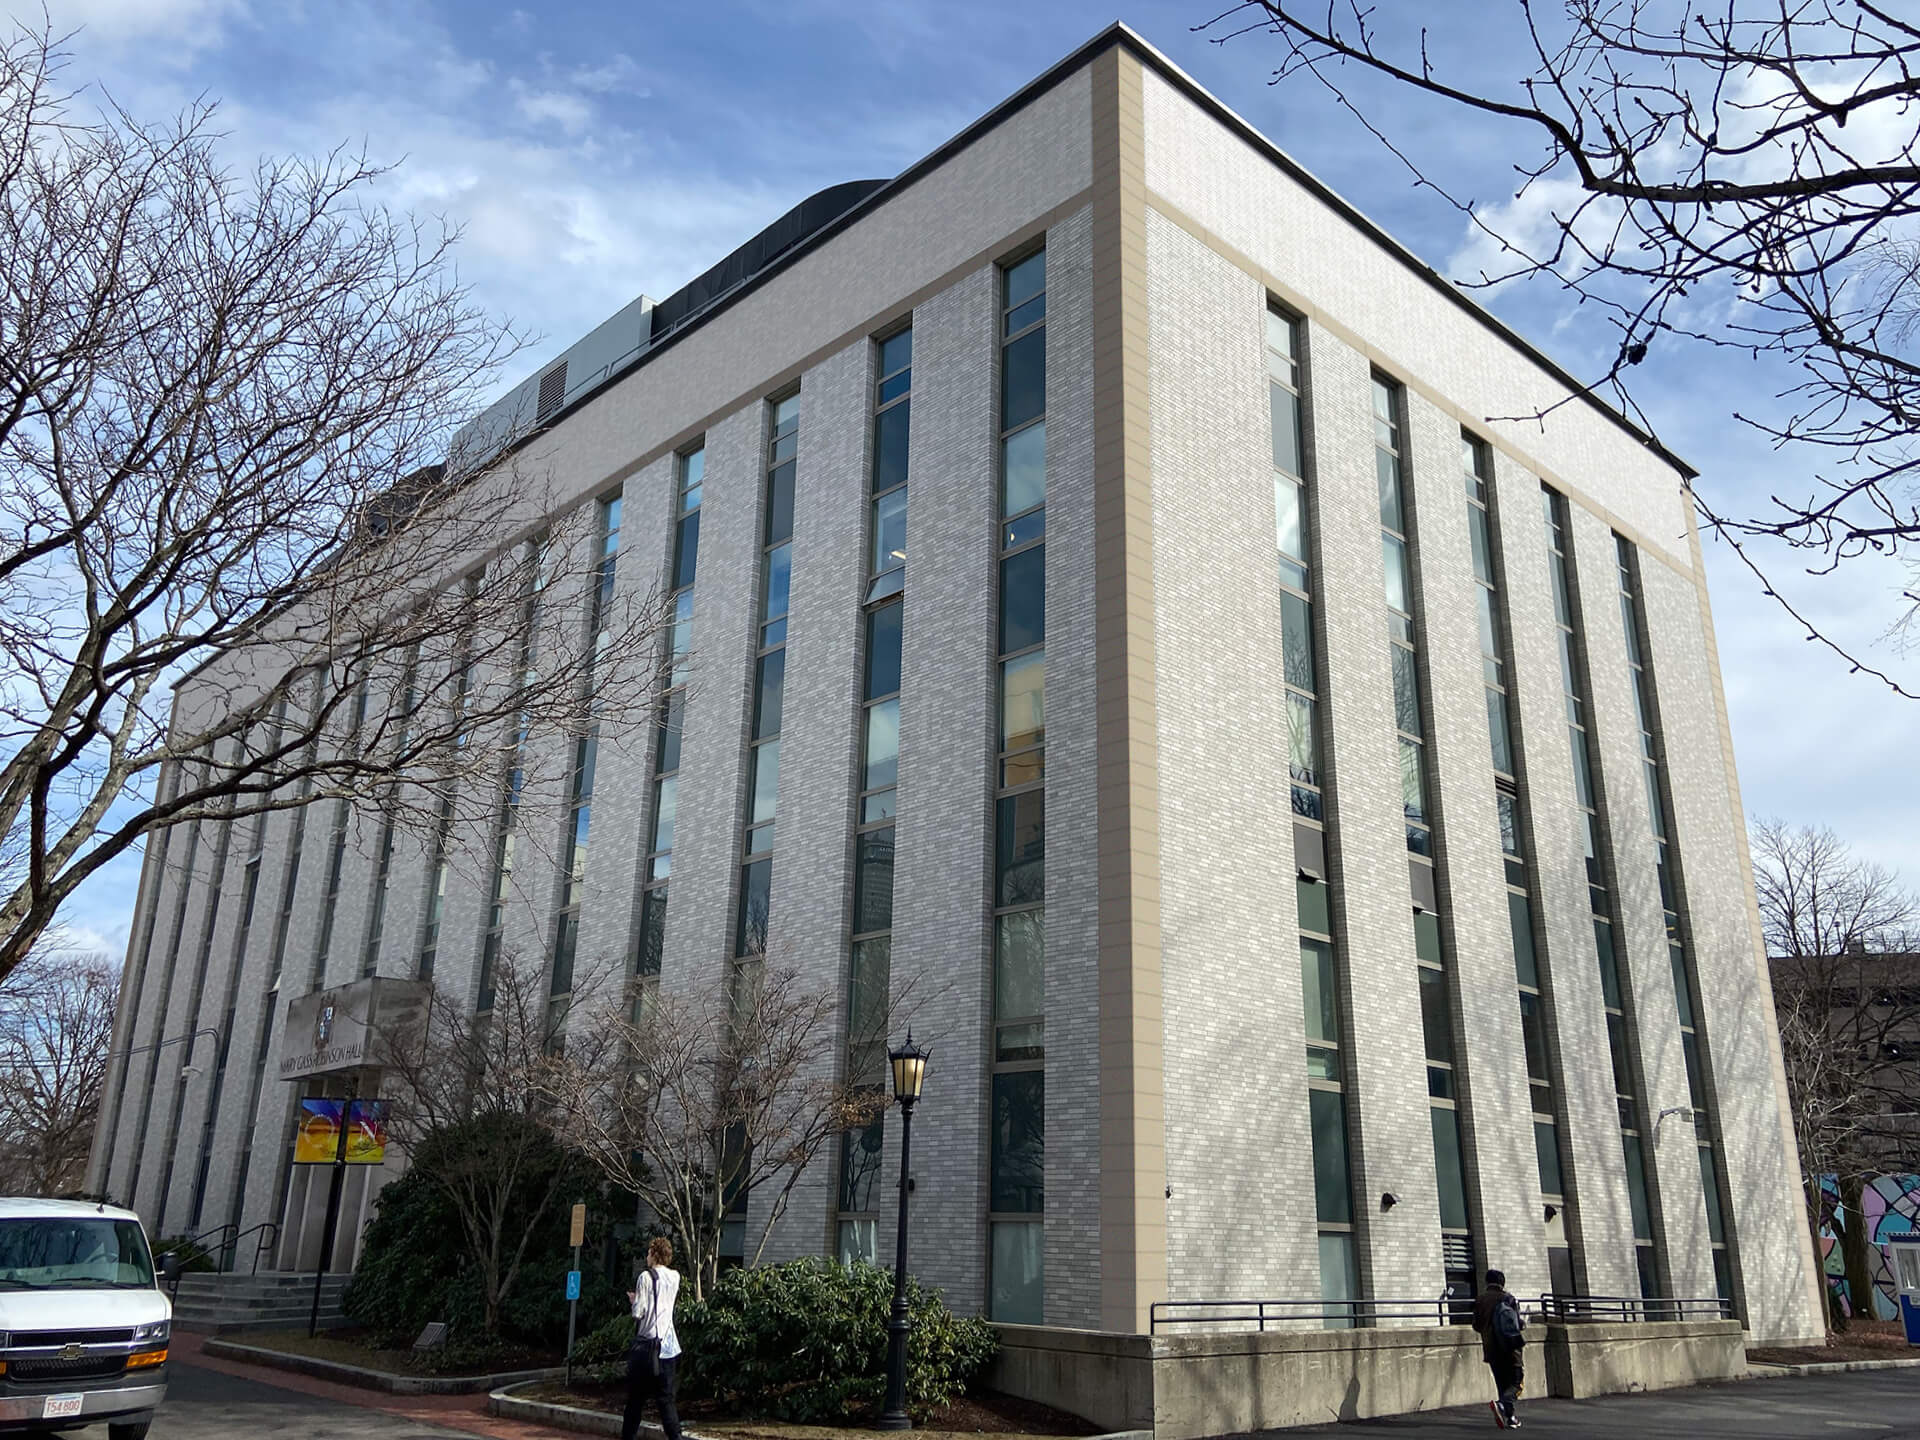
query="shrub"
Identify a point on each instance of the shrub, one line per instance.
(807, 1342)
(415, 1266)
(605, 1347)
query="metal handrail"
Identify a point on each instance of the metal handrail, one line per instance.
(1444, 1310)
(1441, 1310)
(269, 1233)
(1595, 1309)
(189, 1243)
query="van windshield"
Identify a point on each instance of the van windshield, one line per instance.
(59, 1252)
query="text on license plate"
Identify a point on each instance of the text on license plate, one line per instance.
(61, 1406)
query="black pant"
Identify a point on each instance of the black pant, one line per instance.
(1508, 1373)
(644, 1385)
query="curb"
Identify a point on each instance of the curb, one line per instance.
(508, 1406)
(380, 1380)
(1762, 1371)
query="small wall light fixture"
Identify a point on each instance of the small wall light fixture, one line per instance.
(1388, 1200)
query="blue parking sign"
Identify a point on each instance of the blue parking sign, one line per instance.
(573, 1284)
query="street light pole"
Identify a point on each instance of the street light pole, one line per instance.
(909, 1074)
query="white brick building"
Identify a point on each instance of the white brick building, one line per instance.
(1329, 872)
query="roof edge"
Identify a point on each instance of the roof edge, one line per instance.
(1121, 33)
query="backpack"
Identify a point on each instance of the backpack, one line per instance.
(1509, 1328)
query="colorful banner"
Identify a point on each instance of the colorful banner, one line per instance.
(316, 1141)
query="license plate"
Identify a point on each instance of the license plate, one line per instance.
(60, 1407)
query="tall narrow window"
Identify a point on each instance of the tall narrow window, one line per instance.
(1017, 1162)
(196, 995)
(579, 817)
(264, 1043)
(769, 680)
(870, 966)
(403, 727)
(1431, 939)
(1529, 959)
(439, 860)
(1296, 602)
(1630, 1096)
(870, 963)
(1668, 872)
(1395, 552)
(189, 857)
(1319, 957)
(507, 822)
(1320, 986)
(892, 422)
(650, 935)
(304, 683)
(337, 847)
(254, 846)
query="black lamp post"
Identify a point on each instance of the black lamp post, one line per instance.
(909, 1073)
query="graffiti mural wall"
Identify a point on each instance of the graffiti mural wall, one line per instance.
(1892, 1203)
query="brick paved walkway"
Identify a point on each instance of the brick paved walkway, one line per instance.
(461, 1414)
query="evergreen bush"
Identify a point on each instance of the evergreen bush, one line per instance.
(416, 1267)
(807, 1342)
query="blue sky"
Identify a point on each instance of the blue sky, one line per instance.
(596, 151)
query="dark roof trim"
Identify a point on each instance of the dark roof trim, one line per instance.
(1120, 34)
(1000, 113)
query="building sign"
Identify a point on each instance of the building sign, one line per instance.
(340, 1029)
(317, 1139)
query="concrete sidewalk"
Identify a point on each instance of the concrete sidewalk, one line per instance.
(1880, 1402)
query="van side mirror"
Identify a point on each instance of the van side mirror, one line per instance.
(170, 1266)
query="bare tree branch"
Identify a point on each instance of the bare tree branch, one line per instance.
(56, 1027)
(698, 1098)
(1743, 177)
(1840, 935)
(229, 549)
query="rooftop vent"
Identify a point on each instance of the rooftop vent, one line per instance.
(553, 389)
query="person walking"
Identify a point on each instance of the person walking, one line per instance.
(656, 1349)
(1502, 1330)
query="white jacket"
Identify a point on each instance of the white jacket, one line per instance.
(654, 1320)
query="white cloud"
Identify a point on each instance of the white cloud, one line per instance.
(619, 73)
(571, 113)
(172, 31)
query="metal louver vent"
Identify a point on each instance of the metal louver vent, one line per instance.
(553, 389)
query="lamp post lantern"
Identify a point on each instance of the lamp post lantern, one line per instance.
(909, 1074)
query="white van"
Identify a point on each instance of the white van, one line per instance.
(84, 1324)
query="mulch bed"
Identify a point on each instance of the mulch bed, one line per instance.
(983, 1412)
(1862, 1340)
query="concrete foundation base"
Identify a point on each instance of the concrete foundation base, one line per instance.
(1182, 1387)
(1583, 1360)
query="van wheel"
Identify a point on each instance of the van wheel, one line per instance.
(137, 1430)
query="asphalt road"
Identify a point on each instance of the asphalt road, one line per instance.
(1883, 1403)
(205, 1405)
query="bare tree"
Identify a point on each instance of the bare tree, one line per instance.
(235, 573)
(1742, 176)
(56, 1027)
(1847, 993)
(476, 1101)
(707, 1095)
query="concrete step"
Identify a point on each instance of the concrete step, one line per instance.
(256, 1302)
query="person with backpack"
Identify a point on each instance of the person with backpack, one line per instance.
(656, 1349)
(1503, 1336)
